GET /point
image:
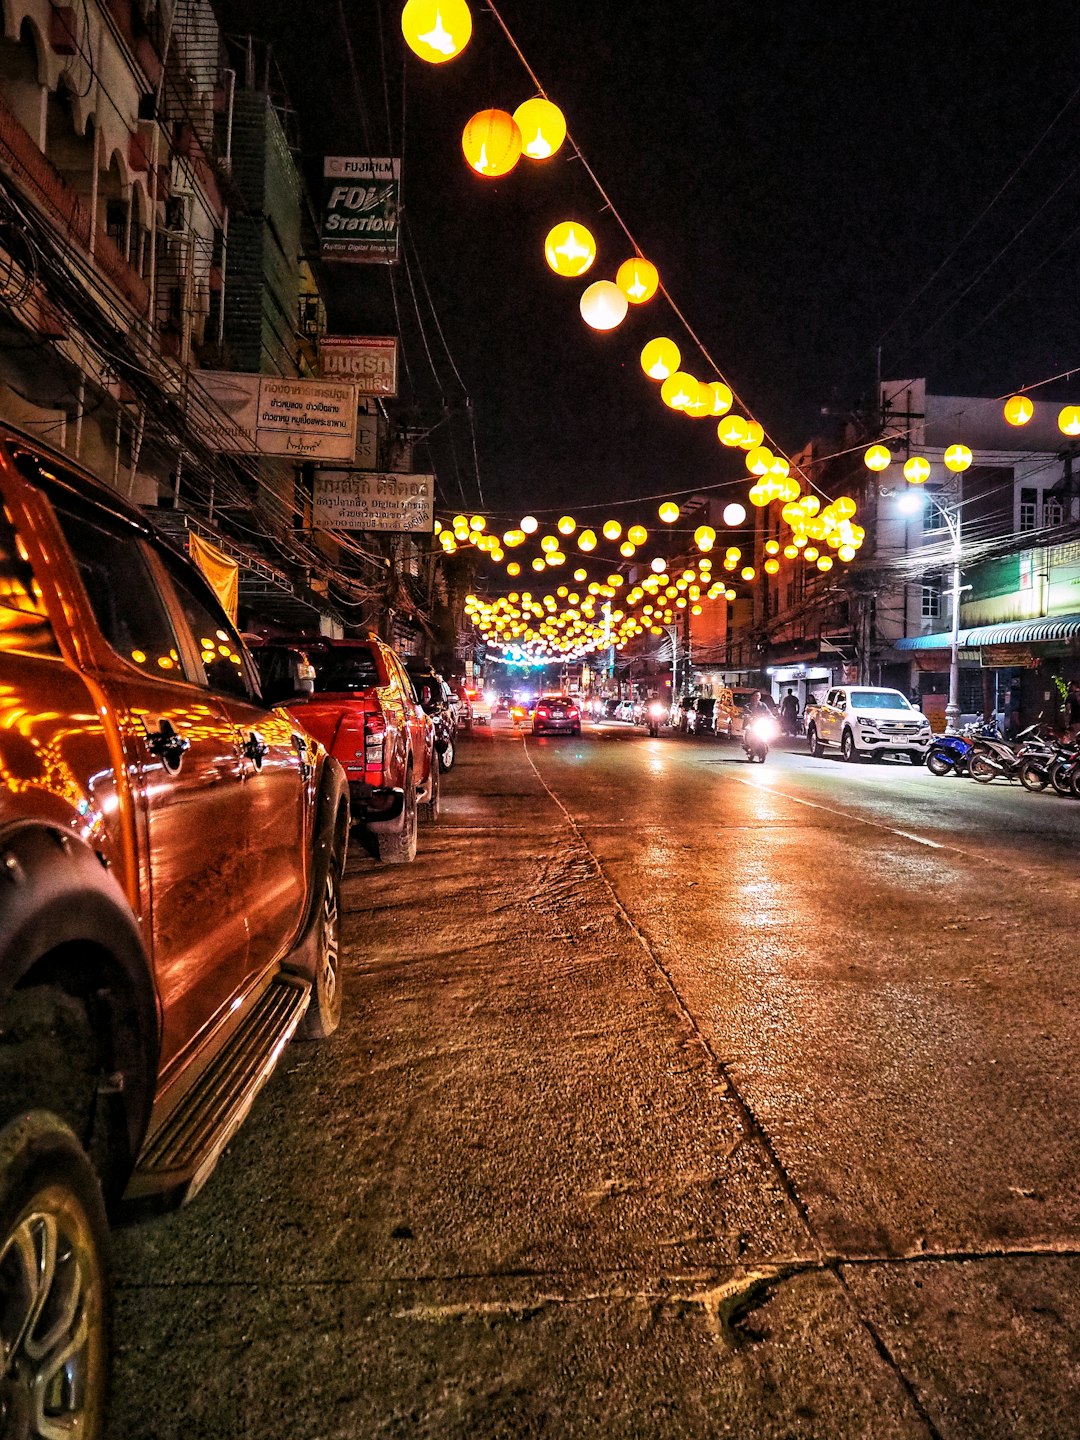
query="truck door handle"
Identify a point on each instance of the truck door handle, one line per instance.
(255, 748)
(300, 745)
(168, 745)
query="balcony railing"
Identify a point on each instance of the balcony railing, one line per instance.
(69, 212)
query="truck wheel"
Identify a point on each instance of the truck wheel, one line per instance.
(54, 1319)
(323, 1014)
(812, 740)
(848, 748)
(398, 847)
(430, 809)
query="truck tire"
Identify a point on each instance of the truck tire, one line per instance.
(812, 740)
(323, 1014)
(431, 808)
(54, 1321)
(398, 847)
(848, 748)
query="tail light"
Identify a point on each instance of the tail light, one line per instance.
(374, 737)
(542, 710)
(573, 712)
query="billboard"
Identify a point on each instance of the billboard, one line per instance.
(367, 361)
(269, 415)
(351, 500)
(361, 206)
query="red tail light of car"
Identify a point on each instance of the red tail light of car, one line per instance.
(573, 712)
(542, 711)
(374, 737)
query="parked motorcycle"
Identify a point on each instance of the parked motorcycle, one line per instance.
(655, 715)
(757, 735)
(991, 759)
(951, 752)
(1034, 773)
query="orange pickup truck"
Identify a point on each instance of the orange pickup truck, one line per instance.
(171, 848)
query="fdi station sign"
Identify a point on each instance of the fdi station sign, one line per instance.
(361, 209)
(354, 500)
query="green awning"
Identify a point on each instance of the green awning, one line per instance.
(1016, 632)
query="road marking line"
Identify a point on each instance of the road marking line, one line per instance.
(847, 815)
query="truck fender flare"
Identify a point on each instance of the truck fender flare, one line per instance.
(331, 837)
(55, 892)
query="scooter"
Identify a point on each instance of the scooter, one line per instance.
(756, 736)
(952, 752)
(654, 716)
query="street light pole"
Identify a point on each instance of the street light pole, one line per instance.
(952, 709)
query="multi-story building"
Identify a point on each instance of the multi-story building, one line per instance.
(887, 617)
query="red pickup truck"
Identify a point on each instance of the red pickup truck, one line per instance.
(364, 709)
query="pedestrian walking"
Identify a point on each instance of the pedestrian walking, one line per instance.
(789, 713)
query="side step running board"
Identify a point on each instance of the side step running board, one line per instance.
(180, 1154)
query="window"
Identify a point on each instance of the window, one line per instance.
(340, 671)
(1053, 509)
(218, 644)
(931, 602)
(933, 517)
(1029, 509)
(23, 622)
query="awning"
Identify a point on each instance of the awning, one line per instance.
(1018, 632)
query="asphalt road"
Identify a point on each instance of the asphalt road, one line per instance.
(675, 1097)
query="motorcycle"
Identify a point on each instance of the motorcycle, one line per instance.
(951, 752)
(756, 735)
(991, 759)
(654, 716)
(518, 714)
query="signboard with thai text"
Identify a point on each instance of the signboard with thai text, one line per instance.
(351, 500)
(268, 415)
(367, 361)
(361, 203)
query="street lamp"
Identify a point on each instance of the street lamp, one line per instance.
(910, 503)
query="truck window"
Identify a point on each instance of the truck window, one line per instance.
(219, 646)
(23, 622)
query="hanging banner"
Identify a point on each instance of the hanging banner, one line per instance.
(348, 500)
(221, 571)
(367, 361)
(361, 204)
(267, 415)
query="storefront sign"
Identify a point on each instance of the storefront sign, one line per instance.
(361, 202)
(367, 361)
(367, 442)
(1007, 657)
(349, 500)
(266, 415)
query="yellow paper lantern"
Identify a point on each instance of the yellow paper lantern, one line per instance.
(612, 529)
(1069, 420)
(570, 249)
(846, 552)
(732, 430)
(722, 398)
(638, 279)
(759, 496)
(679, 390)
(542, 126)
(772, 547)
(704, 537)
(844, 507)
(791, 552)
(539, 563)
(436, 30)
(1018, 410)
(754, 435)
(701, 405)
(660, 358)
(513, 568)
(628, 549)
(771, 567)
(758, 460)
(637, 534)
(917, 470)
(603, 305)
(748, 572)
(549, 543)
(734, 514)
(567, 525)
(825, 562)
(729, 594)
(477, 522)
(530, 525)
(811, 553)
(957, 459)
(877, 458)
(491, 143)
(668, 512)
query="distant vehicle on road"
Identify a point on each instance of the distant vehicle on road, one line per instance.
(480, 706)
(868, 720)
(556, 714)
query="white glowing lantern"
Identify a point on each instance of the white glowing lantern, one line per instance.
(734, 514)
(604, 306)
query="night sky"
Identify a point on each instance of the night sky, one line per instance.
(798, 172)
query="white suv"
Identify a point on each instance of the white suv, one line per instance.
(868, 720)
